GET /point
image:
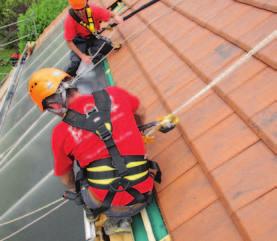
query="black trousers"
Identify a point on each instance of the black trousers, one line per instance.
(88, 46)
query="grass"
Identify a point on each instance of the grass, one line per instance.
(5, 66)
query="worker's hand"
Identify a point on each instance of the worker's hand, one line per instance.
(86, 59)
(118, 19)
(73, 196)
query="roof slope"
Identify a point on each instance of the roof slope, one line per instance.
(220, 165)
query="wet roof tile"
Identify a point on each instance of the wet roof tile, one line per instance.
(224, 141)
(257, 93)
(246, 22)
(213, 223)
(259, 218)
(270, 5)
(241, 75)
(227, 15)
(184, 93)
(170, 61)
(176, 160)
(247, 176)
(265, 122)
(184, 198)
(217, 59)
(204, 115)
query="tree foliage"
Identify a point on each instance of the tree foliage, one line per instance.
(42, 13)
(8, 14)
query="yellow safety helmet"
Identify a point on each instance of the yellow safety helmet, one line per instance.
(44, 83)
(77, 4)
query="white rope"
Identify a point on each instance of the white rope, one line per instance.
(14, 23)
(4, 155)
(3, 167)
(25, 36)
(229, 70)
(31, 212)
(17, 124)
(33, 222)
(223, 75)
(26, 115)
(27, 194)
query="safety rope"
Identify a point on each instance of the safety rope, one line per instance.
(31, 213)
(30, 128)
(229, 70)
(218, 79)
(34, 221)
(15, 40)
(224, 74)
(5, 154)
(14, 23)
(55, 118)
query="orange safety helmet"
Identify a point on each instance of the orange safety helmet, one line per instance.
(77, 4)
(44, 83)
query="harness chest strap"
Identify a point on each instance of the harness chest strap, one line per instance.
(90, 25)
(116, 171)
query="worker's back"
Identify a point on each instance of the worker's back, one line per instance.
(87, 147)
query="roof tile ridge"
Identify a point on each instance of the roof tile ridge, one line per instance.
(240, 228)
(226, 37)
(265, 6)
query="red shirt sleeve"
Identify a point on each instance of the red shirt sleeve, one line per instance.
(62, 163)
(69, 28)
(131, 99)
(100, 14)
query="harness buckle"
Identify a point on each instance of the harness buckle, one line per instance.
(103, 132)
(119, 182)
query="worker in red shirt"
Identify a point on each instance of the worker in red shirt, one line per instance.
(100, 132)
(80, 32)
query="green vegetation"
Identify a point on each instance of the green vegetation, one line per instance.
(9, 11)
(43, 12)
(5, 65)
(33, 17)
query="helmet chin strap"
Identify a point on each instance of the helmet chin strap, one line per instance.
(60, 97)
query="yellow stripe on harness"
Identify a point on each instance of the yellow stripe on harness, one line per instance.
(110, 180)
(100, 169)
(103, 181)
(106, 168)
(89, 26)
(135, 164)
(136, 176)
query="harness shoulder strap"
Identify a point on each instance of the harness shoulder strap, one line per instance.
(90, 25)
(74, 16)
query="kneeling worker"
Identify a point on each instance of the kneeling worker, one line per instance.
(100, 132)
(80, 32)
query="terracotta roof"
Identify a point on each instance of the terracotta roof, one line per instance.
(220, 164)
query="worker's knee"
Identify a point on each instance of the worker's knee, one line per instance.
(72, 68)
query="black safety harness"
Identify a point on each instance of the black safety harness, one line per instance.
(117, 173)
(90, 25)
